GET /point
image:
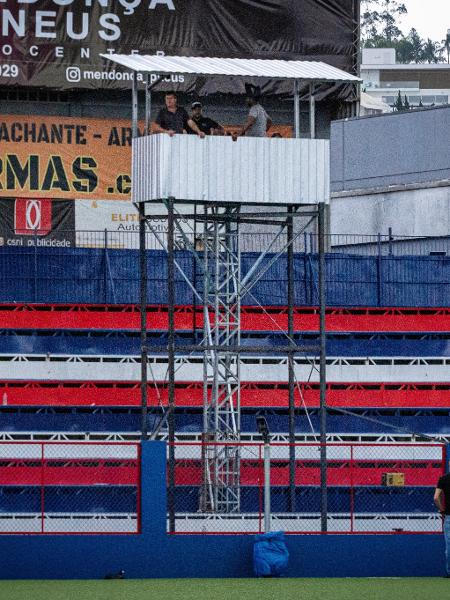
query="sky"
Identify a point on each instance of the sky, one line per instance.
(431, 18)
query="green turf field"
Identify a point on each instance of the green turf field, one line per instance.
(229, 589)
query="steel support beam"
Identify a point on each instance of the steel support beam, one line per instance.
(296, 109)
(148, 105)
(291, 366)
(171, 365)
(312, 111)
(143, 313)
(134, 107)
(322, 371)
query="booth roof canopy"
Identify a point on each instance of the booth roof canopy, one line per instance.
(234, 67)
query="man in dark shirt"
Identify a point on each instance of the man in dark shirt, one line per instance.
(442, 501)
(205, 124)
(174, 119)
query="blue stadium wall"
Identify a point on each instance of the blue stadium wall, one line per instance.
(154, 554)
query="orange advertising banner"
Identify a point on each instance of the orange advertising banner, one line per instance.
(57, 157)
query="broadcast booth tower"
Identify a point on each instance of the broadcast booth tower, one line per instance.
(219, 186)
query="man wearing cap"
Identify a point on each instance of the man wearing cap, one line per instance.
(258, 121)
(205, 124)
(174, 119)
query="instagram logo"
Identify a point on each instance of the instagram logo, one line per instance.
(73, 74)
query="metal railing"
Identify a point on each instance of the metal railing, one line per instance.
(389, 245)
(76, 488)
(251, 240)
(371, 489)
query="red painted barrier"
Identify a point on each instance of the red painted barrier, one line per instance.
(127, 394)
(340, 474)
(68, 472)
(126, 317)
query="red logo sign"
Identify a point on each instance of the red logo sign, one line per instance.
(32, 217)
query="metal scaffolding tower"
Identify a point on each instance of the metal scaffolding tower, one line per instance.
(292, 184)
(221, 380)
(214, 243)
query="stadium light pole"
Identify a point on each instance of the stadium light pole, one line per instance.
(263, 430)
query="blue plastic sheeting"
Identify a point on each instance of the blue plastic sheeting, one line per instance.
(413, 420)
(129, 420)
(270, 554)
(366, 499)
(121, 343)
(73, 499)
(79, 275)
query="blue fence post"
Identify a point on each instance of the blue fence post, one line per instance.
(35, 268)
(379, 271)
(305, 279)
(105, 266)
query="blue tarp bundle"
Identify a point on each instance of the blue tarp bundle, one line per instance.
(79, 275)
(270, 555)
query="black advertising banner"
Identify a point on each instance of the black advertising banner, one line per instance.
(37, 222)
(57, 43)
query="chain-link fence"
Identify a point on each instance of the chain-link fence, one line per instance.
(81, 488)
(370, 488)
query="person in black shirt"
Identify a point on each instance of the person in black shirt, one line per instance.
(174, 119)
(205, 124)
(442, 501)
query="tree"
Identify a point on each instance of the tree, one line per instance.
(379, 19)
(416, 45)
(379, 29)
(404, 51)
(410, 49)
(399, 103)
(432, 52)
(406, 103)
(446, 45)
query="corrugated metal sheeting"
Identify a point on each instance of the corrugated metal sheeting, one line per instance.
(218, 169)
(235, 67)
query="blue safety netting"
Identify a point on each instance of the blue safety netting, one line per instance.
(78, 275)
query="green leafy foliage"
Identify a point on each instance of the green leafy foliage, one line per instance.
(380, 28)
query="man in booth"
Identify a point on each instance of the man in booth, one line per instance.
(205, 124)
(173, 119)
(258, 121)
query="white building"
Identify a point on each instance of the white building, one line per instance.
(426, 84)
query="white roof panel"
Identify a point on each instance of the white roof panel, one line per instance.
(234, 67)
